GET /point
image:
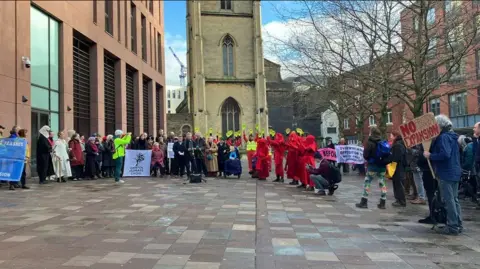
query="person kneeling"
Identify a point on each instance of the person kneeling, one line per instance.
(321, 176)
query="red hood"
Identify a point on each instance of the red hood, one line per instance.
(279, 137)
(310, 142)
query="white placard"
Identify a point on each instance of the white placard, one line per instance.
(349, 154)
(137, 163)
(170, 153)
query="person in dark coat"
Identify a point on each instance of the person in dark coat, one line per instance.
(142, 144)
(108, 165)
(178, 166)
(44, 156)
(399, 152)
(189, 145)
(200, 155)
(223, 151)
(99, 157)
(91, 152)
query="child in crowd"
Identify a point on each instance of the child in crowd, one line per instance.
(157, 160)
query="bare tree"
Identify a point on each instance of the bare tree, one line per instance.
(393, 49)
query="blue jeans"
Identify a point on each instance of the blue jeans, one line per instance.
(320, 183)
(449, 192)
(417, 177)
(118, 168)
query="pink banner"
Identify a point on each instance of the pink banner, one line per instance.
(328, 154)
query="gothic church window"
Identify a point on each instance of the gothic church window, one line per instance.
(226, 4)
(230, 115)
(227, 48)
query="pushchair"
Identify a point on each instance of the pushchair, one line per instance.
(465, 188)
(233, 165)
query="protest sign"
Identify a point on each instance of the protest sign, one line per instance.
(12, 158)
(137, 163)
(349, 154)
(170, 153)
(419, 130)
(328, 154)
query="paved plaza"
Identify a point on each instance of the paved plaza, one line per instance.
(225, 223)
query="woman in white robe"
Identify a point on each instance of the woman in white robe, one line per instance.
(61, 162)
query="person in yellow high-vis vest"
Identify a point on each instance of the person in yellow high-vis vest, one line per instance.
(251, 149)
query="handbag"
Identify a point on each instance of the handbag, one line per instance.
(391, 167)
(209, 157)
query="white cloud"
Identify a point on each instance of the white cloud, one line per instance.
(172, 67)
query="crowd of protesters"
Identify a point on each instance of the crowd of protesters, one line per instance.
(455, 161)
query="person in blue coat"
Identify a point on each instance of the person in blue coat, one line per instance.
(445, 158)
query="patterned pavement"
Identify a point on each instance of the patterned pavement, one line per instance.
(225, 223)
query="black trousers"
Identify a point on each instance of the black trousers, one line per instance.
(166, 162)
(201, 167)
(430, 184)
(190, 166)
(398, 187)
(174, 166)
(345, 166)
(77, 171)
(181, 165)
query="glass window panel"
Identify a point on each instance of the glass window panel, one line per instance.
(39, 98)
(225, 68)
(230, 60)
(54, 123)
(39, 47)
(54, 31)
(54, 101)
(431, 16)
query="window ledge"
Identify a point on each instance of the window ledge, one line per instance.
(372, 125)
(389, 123)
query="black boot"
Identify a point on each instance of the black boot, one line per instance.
(277, 180)
(281, 180)
(294, 182)
(381, 205)
(363, 203)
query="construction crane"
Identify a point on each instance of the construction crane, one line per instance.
(183, 68)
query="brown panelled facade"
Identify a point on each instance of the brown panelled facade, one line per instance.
(91, 60)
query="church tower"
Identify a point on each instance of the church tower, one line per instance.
(225, 66)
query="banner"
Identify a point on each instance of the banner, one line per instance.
(12, 158)
(349, 154)
(419, 130)
(328, 154)
(137, 163)
(170, 153)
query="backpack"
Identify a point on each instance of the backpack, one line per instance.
(439, 214)
(196, 178)
(382, 153)
(335, 174)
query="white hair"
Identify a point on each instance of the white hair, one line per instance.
(443, 121)
(109, 137)
(118, 132)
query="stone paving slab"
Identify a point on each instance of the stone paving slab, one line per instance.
(226, 223)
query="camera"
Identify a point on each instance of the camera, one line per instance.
(26, 62)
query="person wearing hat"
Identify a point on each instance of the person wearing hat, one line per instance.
(320, 174)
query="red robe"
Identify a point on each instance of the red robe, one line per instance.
(292, 156)
(279, 147)
(309, 147)
(263, 159)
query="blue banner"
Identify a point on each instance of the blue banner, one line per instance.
(12, 158)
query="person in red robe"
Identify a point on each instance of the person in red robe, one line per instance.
(308, 149)
(292, 157)
(263, 159)
(278, 145)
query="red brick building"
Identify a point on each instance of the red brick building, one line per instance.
(459, 97)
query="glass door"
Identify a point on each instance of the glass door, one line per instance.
(39, 119)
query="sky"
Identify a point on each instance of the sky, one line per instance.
(175, 32)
